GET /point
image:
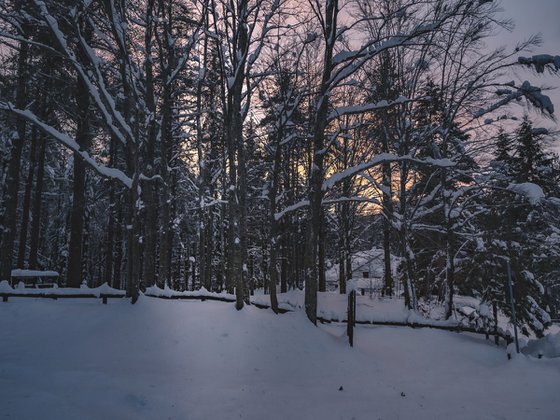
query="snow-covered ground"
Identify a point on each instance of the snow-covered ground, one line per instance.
(160, 359)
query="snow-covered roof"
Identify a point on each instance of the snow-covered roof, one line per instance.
(370, 261)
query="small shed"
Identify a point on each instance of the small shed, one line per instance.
(367, 264)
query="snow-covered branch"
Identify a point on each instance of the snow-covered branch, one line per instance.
(69, 142)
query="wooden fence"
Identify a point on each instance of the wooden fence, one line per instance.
(351, 320)
(55, 296)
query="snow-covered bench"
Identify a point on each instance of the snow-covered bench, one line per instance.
(35, 278)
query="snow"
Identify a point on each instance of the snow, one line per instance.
(531, 191)
(200, 293)
(540, 61)
(70, 143)
(33, 273)
(289, 209)
(535, 96)
(548, 346)
(5, 287)
(21, 290)
(344, 56)
(377, 160)
(359, 109)
(332, 306)
(163, 359)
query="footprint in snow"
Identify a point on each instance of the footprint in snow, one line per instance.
(136, 401)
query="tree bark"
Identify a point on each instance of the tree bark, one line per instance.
(274, 223)
(27, 200)
(13, 172)
(316, 177)
(407, 273)
(149, 193)
(117, 271)
(236, 156)
(74, 273)
(37, 205)
(387, 218)
(110, 242)
(321, 255)
(342, 271)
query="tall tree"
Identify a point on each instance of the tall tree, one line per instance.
(10, 196)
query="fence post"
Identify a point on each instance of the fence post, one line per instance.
(4, 298)
(495, 312)
(351, 317)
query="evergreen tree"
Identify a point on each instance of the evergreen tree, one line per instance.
(517, 225)
(529, 156)
(503, 159)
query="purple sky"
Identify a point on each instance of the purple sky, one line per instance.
(533, 17)
(536, 16)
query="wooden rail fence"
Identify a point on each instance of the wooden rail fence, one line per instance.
(351, 320)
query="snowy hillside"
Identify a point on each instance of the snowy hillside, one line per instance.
(79, 359)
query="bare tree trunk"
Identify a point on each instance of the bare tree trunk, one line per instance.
(284, 273)
(317, 174)
(450, 273)
(37, 205)
(274, 223)
(27, 200)
(203, 178)
(149, 193)
(132, 210)
(449, 248)
(242, 197)
(342, 270)
(87, 270)
(344, 234)
(321, 255)
(117, 272)
(74, 273)
(14, 165)
(202, 252)
(273, 275)
(110, 242)
(165, 237)
(388, 214)
(132, 222)
(407, 271)
(236, 155)
(223, 273)
(348, 260)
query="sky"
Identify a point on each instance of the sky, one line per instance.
(533, 17)
(536, 16)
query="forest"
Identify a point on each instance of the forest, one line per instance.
(242, 145)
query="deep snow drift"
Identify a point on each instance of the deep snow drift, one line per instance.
(79, 359)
